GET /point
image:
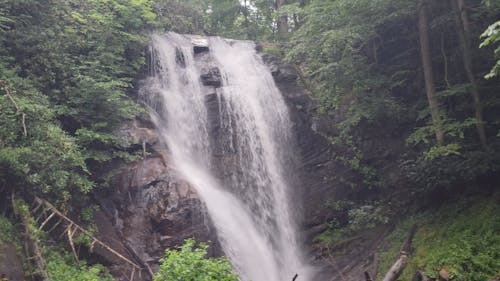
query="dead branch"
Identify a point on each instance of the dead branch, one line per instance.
(46, 221)
(70, 240)
(73, 227)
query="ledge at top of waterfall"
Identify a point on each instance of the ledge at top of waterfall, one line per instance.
(227, 128)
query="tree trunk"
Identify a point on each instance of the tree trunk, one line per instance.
(282, 21)
(428, 72)
(465, 37)
(247, 23)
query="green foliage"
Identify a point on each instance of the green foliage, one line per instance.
(190, 263)
(7, 231)
(182, 16)
(339, 45)
(250, 19)
(62, 267)
(71, 67)
(463, 238)
(48, 161)
(365, 68)
(359, 218)
(60, 264)
(492, 37)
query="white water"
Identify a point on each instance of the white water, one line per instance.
(249, 208)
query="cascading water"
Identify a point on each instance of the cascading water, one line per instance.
(239, 172)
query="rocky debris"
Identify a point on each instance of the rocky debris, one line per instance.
(211, 77)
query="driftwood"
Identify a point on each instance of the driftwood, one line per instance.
(400, 264)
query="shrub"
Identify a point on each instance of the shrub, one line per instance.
(190, 263)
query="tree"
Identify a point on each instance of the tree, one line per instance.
(282, 20)
(428, 72)
(70, 66)
(190, 263)
(465, 35)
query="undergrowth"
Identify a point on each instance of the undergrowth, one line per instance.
(60, 264)
(462, 237)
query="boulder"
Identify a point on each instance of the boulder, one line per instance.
(211, 77)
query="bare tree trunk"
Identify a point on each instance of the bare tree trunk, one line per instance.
(428, 72)
(400, 264)
(397, 268)
(247, 23)
(465, 36)
(282, 21)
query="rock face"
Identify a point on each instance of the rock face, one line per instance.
(11, 265)
(211, 77)
(149, 209)
(319, 174)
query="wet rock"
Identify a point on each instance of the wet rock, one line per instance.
(200, 45)
(137, 133)
(150, 208)
(211, 77)
(179, 58)
(324, 178)
(158, 210)
(282, 72)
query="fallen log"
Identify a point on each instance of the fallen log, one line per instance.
(400, 264)
(397, 268)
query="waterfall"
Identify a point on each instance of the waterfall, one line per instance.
(233, 143)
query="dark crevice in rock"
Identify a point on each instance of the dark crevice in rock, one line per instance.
(200, 49)
(211, 77)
